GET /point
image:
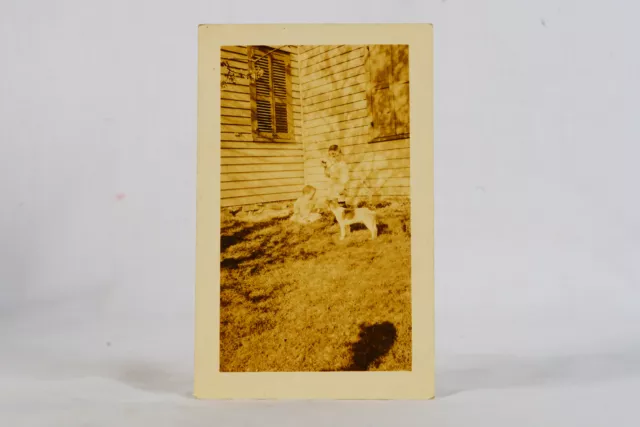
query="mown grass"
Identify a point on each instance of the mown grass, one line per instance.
(295, 298)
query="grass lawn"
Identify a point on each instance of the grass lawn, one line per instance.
(295, 298)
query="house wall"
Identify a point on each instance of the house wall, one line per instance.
(257, 172)
(329, 91)
(334, 83)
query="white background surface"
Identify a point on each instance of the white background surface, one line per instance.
(537, 271)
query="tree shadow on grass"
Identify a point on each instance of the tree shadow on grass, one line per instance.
(234, 263)
(269, 254)
(229, 238)
(283, 244)
(374, 341)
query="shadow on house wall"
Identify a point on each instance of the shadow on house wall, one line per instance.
(376, 87)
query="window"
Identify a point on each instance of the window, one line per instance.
(271, 104)
(388, 92)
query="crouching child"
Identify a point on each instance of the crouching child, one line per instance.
(303, 207)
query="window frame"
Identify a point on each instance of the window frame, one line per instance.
(279, 137)
(373, 87)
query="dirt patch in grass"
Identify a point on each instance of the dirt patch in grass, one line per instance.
(295, 298)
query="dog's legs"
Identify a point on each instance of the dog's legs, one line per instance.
(375, 227)
(342, 231)
(371, 225)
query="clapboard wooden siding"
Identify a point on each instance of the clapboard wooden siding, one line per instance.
(334, 81)
(331, 104)
(257, 172)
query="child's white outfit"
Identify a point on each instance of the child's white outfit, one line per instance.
(338, 174)
(303, 211)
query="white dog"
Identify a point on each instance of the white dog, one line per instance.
(346, 217)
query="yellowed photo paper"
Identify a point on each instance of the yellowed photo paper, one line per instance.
(315, 212)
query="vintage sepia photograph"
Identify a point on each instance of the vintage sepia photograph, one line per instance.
(314, 248)
(315, 221)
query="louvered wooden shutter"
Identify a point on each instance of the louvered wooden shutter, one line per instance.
(271, 96)
(263, 96)
(283, 123)
(388, 91)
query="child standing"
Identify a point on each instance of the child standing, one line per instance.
(337, 170)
